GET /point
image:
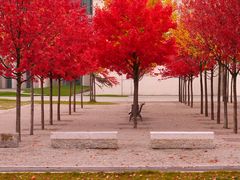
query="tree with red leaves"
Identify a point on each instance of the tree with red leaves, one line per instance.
(133, 39)
(19, 30)
(218, 24)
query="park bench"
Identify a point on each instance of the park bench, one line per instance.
(182, 140)
(85, 140)
(9, 140)
(139, 112)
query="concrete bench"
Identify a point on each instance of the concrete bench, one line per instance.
(9, 140)
(85, 140)
(182, 140)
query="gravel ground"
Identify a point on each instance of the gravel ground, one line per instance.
(134, 151)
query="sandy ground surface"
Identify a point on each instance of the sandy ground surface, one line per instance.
(134, 144)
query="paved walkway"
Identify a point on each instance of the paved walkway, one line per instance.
(134, 152)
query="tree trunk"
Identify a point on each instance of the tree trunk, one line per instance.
(18, 106)
(212, 95)
(219, 93)
(201, 90)
(135, 94)
(192, 91)
(179, 89)
(32, 108)
(183, 90)
(188, 81)
(70, 99)
(206, 93)
(227, 85)
(235, 122)
(185, 84)
(81, 79)
(51, 101)
(94, 89)
(42, 104)
(225, 102)
(231, 89)
(74, 96)
(91, 88)
(59, 101)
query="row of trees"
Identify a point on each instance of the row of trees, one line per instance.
(46, 39)
(208, 42)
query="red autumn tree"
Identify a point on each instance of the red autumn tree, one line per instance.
(19, 29)
(133, 39)
(218, 24)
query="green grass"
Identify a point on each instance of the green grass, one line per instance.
(111, 95)
(11, 94)
(125, 176)
(64, 90)
(85, 103)
(9, 104)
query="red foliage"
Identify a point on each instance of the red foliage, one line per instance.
(131, 33)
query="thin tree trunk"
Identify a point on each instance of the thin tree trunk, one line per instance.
(42, 104)
(74, 96)
(185, 84)
(231, 93)
(81, 91)
(227, 86)
(201, 90)
(235, 122)
(135, 95)
(225, 98)
(206, 93)
(192, 91)
(188, 91)
(183, 90)
(18, 106)
(32, 108)
(59, 101)
(91, 88)
(179, 89)
(219, 94)
(70, 98)
(51, 101)
(212, 95)
(94, 88)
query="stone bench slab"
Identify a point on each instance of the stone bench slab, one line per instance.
(85, 140)
(9, 140)
(182, 140)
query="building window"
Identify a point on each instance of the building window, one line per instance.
(88, 5)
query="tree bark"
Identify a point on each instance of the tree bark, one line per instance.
(81, 79)
(225, 102)
(59, 101)
(94, 89)
(201, 90)
(235, 122)
(179, 89)
(212, 95)
(51, 101)
(183, 90)
(192, 91)
(42, 104)
(185, 84)
(206, 93)
(135, 95)
(219, 93)
(188, 81)
(18, 105)
(70, 99)
(74, 96)
(231, 89)
(32, 109)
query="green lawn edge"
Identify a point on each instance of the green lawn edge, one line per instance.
(141, 175)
